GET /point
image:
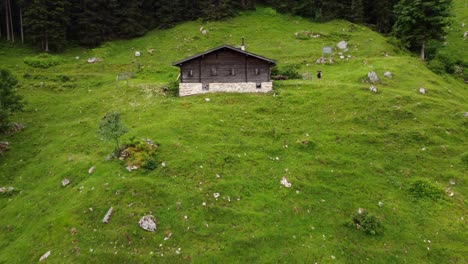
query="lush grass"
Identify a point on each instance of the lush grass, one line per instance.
(341, 146)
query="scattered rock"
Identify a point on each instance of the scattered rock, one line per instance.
(65, 182)
(201, 29)
(148, 223)
(73, 231)
(132, 168)
(465, 114)
(422, 90)
(216, 195)
(373, 78)
(342, 45)
(204, 31)
(106, 218)
(91, 170)
(285, 182)
(360, 211)
(137, 54)
(207, 99)
(449, 192)
(388, 74)
(77, 57)
(320, 61)
(373, 89)
(380, 203)
(465, 35)
(150, 51)
(45, 256)
(4, 146)
(94, 60)
(452, 182)
(7, 190)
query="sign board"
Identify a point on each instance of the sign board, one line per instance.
(124, 76)
(327, 50)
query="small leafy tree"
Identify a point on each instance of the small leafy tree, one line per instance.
(418, 21)
(111, 129)
(10, 101)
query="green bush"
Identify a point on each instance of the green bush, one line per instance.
(436, 66)
(173, 88)
(367, 223)
(422, 188)
(449, 60)
(289, 70)
(43, 61)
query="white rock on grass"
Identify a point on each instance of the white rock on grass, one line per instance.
(107, 216)
(342, 45)
(45, 256)
(387, 74)
(65, 182)
(373, 78)
(422, 90)
(137, 54)
(373, 89)
(148, 223)
(285, 182)
(91, 170)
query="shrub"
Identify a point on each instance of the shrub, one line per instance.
(449, 61)
(422, 188)
(436, 66)
(140, 153)
(43, 61)
(173, 88)
(290, 71)
(367, 223)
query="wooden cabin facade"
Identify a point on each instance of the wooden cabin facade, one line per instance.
(224, 69)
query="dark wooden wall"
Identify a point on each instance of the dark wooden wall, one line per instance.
(225, 66)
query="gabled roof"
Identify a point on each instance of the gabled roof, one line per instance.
(178, 63)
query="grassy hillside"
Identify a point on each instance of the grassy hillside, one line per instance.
(342, 147)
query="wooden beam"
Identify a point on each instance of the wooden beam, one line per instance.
(199, 70)
(246, 78)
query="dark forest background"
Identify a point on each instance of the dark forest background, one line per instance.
(51, 25)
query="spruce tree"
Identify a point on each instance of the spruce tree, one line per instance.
(418, 21)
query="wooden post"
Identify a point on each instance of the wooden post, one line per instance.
(7, 24)
(21, 23)
(11, 22)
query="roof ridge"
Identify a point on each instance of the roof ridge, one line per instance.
(177, 63)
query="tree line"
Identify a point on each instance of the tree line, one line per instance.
(51, 24)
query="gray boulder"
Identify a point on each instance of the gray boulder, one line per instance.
(373, 78)
(342, 45)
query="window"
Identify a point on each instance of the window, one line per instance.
(232, 71)
(190, 73)
(257, 71)
(214, 71)
(259, 85)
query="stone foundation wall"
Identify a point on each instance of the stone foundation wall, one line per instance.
(246, 87)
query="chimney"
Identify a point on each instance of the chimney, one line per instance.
(243, 44)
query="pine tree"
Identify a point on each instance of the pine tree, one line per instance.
(418, 21)
(46, 23)
(10, 101)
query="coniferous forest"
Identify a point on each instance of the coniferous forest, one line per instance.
(50, 25)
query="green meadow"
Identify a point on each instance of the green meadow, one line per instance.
(397, 154)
